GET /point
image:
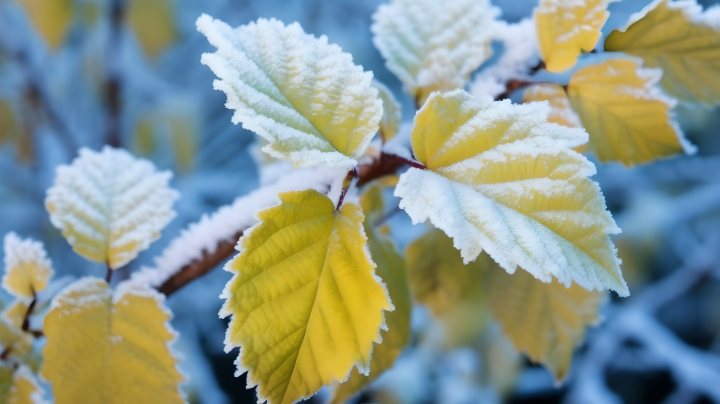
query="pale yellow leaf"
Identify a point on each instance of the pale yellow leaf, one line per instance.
(391, 268)
(546, 321)
(19, 386)
(500, 178)
(438, 278)
(51, 18)
(568, 28)
(305, 96)
(627, 117)
(27, 268)
(679, 38)
(105, 349)
(561, 112)
(391, 118)
(110, 205)
(434, 45)
(15, 313)
(13, 339)
(305, 302)
(25, 388)
(153, 24)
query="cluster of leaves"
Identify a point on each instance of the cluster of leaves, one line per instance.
(318, 286)
(109, 206)
(492, 176)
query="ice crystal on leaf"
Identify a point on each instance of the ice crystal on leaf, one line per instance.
(303, 95)
(568, 28)
(110, 205)
(27, 268)
(682, 40)
(306, 304)
(626, 115)
(500, 178)
(432, 45)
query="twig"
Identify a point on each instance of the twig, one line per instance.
(113, 85)
(386, 164)
(108, 274)
(347, 182)
(26, 319)
(387, 216)
(200, 267)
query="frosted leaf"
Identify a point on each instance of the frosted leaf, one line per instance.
(626, 115)
(500, 178)
(568, 28)
(305, 96)
(27, 268)
(560, 110)
(110, 205)
(391, 119)
(432, 45)
(682, 40)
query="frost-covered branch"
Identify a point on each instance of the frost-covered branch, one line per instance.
(206, 243)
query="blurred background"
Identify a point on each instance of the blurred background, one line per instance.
(85, 73)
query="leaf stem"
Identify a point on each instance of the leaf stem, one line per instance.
(31, 307)
(347, 182)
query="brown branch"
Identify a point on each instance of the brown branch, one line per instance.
(385, 165)
(511, 87)
(200, 267)
(26, 319)
(113, 84)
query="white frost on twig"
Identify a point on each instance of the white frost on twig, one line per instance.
(204, 235)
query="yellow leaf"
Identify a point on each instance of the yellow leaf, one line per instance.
(500, 178)
(105, 349)
(50, 18)
(25, 389)
(561, 112)
(568, 28)
(19, 386)
(438, 278)
(305, 96)
(305, 302)
(678, 38)
(547, 321)
(432, 45)
(110, 205)
(27, 268)
(15, 340)
(391, 268)
(153, 23)
(629, 120)
(391, 118)
(15, 313)
(450, 289)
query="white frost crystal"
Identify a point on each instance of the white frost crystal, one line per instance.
(434, 45)
(110, 205)
(303, 95)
